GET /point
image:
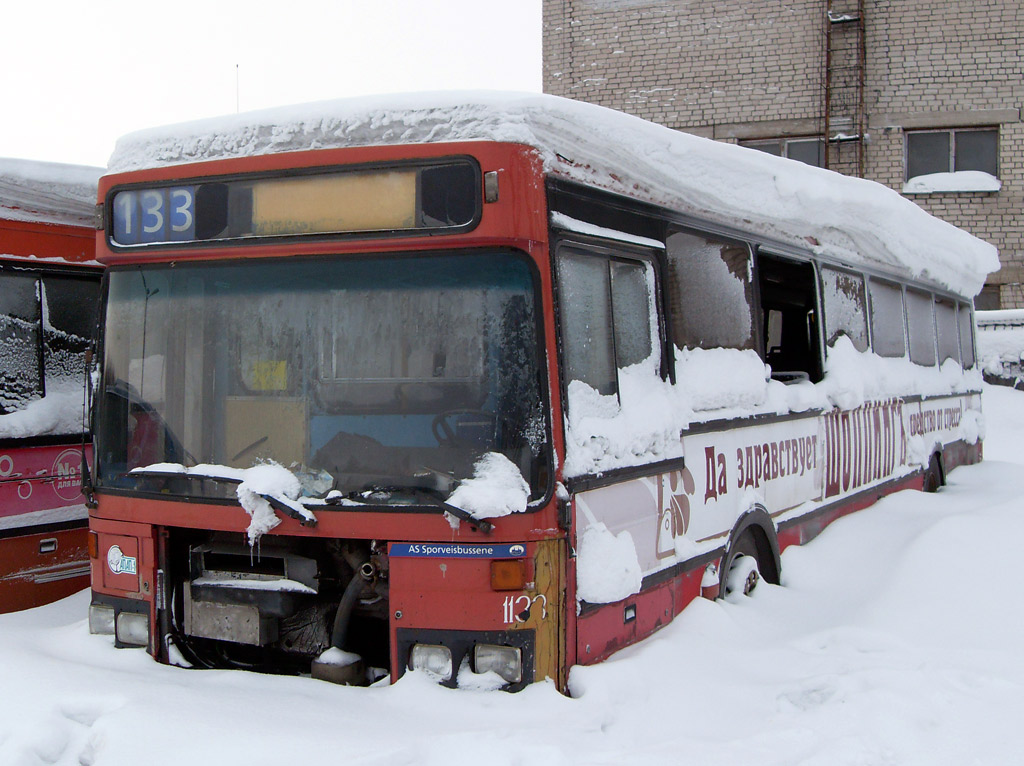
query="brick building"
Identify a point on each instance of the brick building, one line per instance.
(924, 96)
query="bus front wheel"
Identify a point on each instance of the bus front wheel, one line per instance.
(743, 573)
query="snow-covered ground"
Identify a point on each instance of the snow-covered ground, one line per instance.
(895, 639)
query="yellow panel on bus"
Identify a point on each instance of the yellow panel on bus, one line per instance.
(371, 201)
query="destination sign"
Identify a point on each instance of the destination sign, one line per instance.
(403, 198)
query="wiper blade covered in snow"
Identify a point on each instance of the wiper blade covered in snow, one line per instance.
(293, 509)
(426, 490)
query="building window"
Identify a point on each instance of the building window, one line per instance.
(810, 151)
(987, 299)
(952, 151)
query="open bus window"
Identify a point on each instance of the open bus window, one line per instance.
(21, 378)
(948, 332)
(921, 327)
(608, 316)
(888, 325)
(789, 319)
(710, 292)
(966, 336)
(844, 306)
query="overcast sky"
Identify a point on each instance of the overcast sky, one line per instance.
(76, 75)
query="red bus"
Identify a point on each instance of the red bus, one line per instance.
(490, 387)
(49, 312)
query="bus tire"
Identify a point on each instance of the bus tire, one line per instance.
(934, 476)
(753, 537)
(743, 574)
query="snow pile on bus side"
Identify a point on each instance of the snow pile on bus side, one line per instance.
(59, 413)
(857, 221)
(48, 192)
(607, 568)
(644, 423)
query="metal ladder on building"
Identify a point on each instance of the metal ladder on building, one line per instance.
(845, 53)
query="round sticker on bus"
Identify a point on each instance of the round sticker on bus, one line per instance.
(119, 563)
(67, 475)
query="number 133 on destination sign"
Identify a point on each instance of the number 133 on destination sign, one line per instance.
(154, 215)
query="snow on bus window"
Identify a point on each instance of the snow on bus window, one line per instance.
(948, 332)
(609, 318)
(21, 379)
(70, 308)
(921, 327)
(888, 327)
(844, 305)
(710, 292)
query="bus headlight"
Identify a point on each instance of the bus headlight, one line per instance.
(506, 661)
(132, 628)
(433, 658)
(101, 619)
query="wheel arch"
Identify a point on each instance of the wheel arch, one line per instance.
(757, 525)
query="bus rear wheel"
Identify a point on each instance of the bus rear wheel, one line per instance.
(934, 476)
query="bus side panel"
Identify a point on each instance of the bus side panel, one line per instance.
(805, 528)
(37, 567)
(604, 629)
(30, 239)
(36, 479)
(806, 471)
(961, 453)
(43, 526)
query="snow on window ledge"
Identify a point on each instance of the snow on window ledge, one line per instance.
(960, 181)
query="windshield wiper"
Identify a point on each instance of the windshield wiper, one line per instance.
(433, 497)
(430, 493)
(275, 502)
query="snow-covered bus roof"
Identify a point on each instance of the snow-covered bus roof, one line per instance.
(851, 219)
(48, 192)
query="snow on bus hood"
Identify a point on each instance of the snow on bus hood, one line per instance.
(48, 192)
(268, 479)
(497, 488)
(855, 220)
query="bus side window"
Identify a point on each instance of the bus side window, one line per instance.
(21, 378)
(844, 306)
(966, 335)
(948, 332)
(584, 296)
(631, 312)
(789, 319)
(921, 327)
(72, 307)
(710, 292)
(607, 314)
(888, 324)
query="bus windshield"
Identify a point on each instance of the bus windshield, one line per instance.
(357, 374)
